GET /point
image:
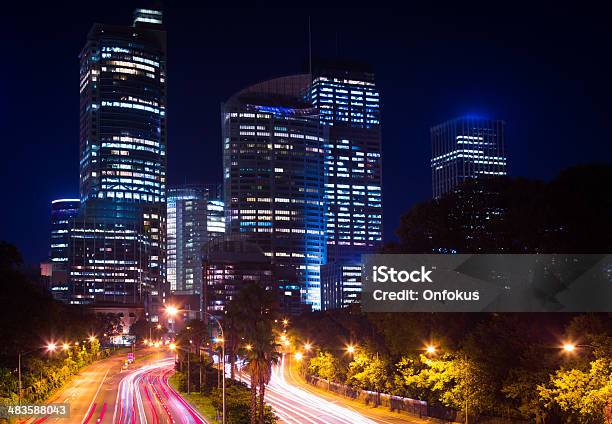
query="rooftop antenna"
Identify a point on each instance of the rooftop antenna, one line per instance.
(309, 47)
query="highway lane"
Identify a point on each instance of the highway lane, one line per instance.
(144, 396)
(82, 390)
(293, 405)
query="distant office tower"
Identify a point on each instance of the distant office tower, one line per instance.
(274, 177)
(465, 148)
(349, 104)
(193, 218)
(63, 212)
(123, 143)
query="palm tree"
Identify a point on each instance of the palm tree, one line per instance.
(260, 359)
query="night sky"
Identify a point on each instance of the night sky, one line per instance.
(546, 72)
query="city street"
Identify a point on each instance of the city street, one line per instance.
(105, 393)
(295, 405)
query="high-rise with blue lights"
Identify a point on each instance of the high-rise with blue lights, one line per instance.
(273, 164)
(122, 164)
(464, 148)
(348, 102)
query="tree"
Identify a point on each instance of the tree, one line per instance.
(109, 324)
(326, 366)
(368, 371)
(581, 396)
(260, 359)
(457, 381)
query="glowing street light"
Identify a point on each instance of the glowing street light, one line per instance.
(172, 346)
(51, 347)
(298, 356)
(248, 347)
(307, 346)
(92, 338)
(159, 326)
(431, 349)
(285, 321)
(65, 346)
(171, 310)
(569, 347)
(350, 349)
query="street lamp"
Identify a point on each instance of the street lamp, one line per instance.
(431, 349)
(350, 349)
(222, 341)
(298, 356)
(65, 346)
(570, 347)
(307, 347)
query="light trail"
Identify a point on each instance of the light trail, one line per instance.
(152, 380)
(294, 405)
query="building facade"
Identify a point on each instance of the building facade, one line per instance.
(194, 216)
(123, 150)
(273, 161)
(465, 148)
(56, 271)
(348, 102)
(109, 255)
(230, 262)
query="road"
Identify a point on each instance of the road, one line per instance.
(104, 393)
(294, 402)
(294, 405)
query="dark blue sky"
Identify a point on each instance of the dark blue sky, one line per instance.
(546, 72)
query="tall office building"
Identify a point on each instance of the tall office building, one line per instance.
(273, 153)
(110, 255)
(194, 216)
(123, 160)
(349, 105)
(463, 148)
(63, 212)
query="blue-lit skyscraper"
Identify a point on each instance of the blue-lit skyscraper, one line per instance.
(348, 101)
(122, 164)
(273, 154)
(464, 148)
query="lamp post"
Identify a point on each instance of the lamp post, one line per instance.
(222, 356)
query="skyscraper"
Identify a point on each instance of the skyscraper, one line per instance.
(121, 256)
(274, 177)
(463, 148)
(349, 105)
(193, 218)
(63, 212)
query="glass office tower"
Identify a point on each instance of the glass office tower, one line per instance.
(123, 140)
(194, 216)
(274, 177)
(349, 105)
(63, 212)
(463, 148)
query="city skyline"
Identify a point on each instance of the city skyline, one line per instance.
(411, 183)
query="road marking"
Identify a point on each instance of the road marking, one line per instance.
(95, 396)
